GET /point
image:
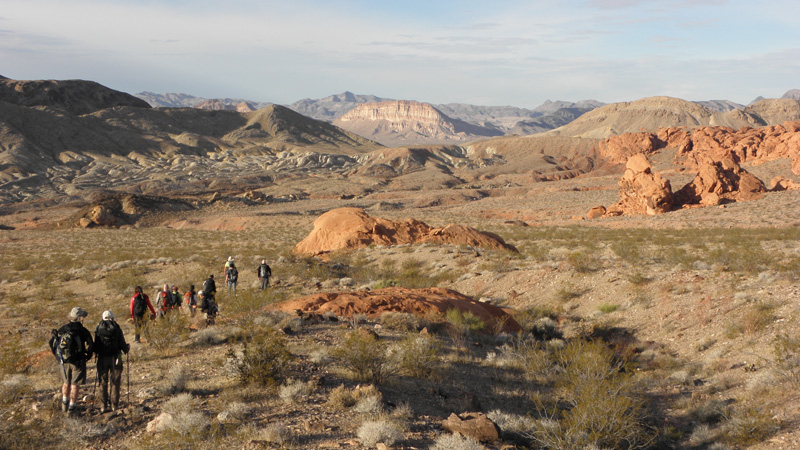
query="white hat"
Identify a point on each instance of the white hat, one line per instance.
(108, 315)
(230, 258)
(77, 312)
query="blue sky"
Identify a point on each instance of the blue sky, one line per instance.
(511, 52)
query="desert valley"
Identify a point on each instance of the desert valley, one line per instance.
(575, 276)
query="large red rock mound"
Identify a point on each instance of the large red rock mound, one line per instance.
(720, 181)
(642, 190)
(351, 228)
(423, 303)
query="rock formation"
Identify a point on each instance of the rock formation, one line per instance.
(351, 228)
(403, 122)
(642, 190)
(423, 303)
(718, 182)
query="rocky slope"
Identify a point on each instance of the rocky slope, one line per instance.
(71, 96)
(652, 113)
(393, 123)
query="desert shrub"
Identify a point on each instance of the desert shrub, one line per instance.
(175, 381)
(568, 292)
(455, 442)
(13, 388)
(606, 308)
(417, 356)
(371, 405)
(235, 412)
(511, 423)
(208, 337)
(276, 433)
(263, 360)
(582, 262)
(533, 357)
(786, 353)
(84, 432)
(400, 321)
(462, 324)
(748, 425)
(293, 390)
(364, 355)
(598, 405)
(125, 280)
(711, 411)
(757, 317)
(372, 432)
(13, 355)
(637, 279)
(341, 398)
(167, 331)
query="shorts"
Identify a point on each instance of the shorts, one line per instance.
(74, 373)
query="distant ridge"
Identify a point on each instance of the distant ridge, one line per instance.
(72, 96)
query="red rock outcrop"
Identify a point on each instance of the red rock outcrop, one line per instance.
(641, 190)
(351, 228)
(720, 181)
(782, 184)
(423, 303)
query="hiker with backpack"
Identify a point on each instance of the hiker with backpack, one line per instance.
(72, 346)
(140, 303)
(210, 287)
(109, 344)
(175, 298)
(208, 306)
(190, 298)
(264, 272)
(231, 277)
(163, 298)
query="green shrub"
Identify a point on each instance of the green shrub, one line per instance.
(606, 308)
(263, 360)
(582, 263)
(364, 356)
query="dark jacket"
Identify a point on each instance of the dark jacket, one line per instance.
(108, 339)
(264, 271)
(209, 286)
(87, 345)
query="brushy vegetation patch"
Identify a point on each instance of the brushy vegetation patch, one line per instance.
(364, 356)
(263, 359)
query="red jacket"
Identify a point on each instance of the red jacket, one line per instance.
(146, 301)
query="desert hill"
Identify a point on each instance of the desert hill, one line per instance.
(652, 113)
(72, 96)
(393, 123)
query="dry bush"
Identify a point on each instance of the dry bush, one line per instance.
(167, 331)
(235, 412)
(748, 425)
(79, 431)
(276, 433)
(342, 398)
(208, 337)
(13, 388)
(364, 356)
(399, 321)
(462, 324)
(175, 381)
(417, 356)
(372, 432)
(786, 351)
(294, 390)
(370, 405)
(263, 360)
(13, 356)
(455, 442)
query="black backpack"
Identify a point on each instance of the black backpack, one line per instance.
(233, 274)
(68, 345)
(105, 337)
(139, 306)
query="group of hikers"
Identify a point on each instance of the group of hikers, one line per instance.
(73, 345)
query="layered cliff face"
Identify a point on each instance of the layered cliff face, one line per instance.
(404, 122)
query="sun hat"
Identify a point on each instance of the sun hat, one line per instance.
(108, 315)
(77, 312)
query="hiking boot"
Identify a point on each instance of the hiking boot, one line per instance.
(104, 409)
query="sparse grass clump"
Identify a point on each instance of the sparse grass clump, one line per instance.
(462, 324)
(294, 390)
(167, 331)
(748, 425)
(372, 432)
(455, 442)
(606, 308)
(342, 398)
(417, 356)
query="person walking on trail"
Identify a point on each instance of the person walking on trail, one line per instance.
(190, 298)
(72, 346)
(109, 344)
(175, 300)
(264, 272)
(162, 300)
(231, 278)
(208, 306)
(210, 287)
(140, 303)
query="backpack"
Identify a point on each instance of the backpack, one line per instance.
(189, 298)
(139, 306)
(105, 338)
(69, 345)
(233, 274)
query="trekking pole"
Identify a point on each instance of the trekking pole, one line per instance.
(96, 382)
(128, 363)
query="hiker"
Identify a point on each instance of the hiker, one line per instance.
(190, 298)
(140, 302)
(109, 343)
(175, 300)
(162, 300)
(228, 263)
(264, 272)
(72, 346)
(231, 277)
(210, 287)
(208, 306)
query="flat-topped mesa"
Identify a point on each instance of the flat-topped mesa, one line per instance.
(352, 228)
(396, 111)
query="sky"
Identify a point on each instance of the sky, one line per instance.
(504, 52)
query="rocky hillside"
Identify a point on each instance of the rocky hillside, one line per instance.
(652, 113)
(72, 96)
(394, 123)
(177, 100)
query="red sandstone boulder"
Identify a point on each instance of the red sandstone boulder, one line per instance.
(641, 190)
(597, 211)
(475, 425)
(720, 181)
(423, 303)
(783, 184)
(351, 228)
